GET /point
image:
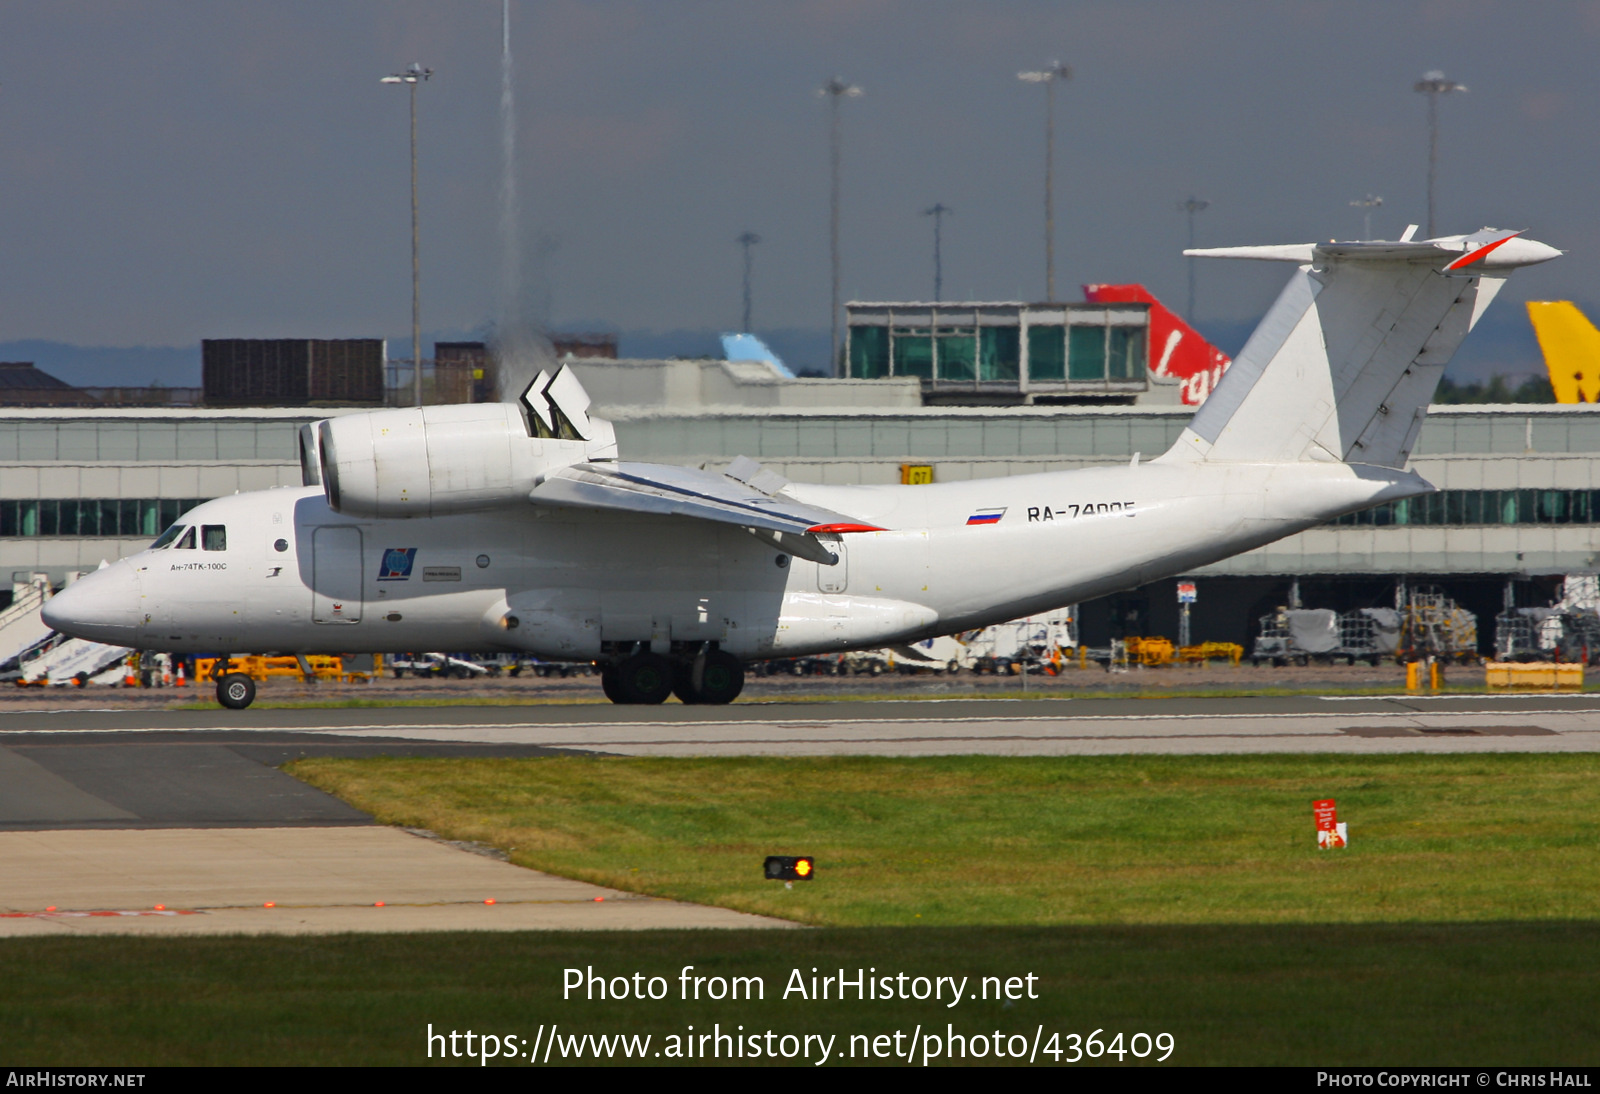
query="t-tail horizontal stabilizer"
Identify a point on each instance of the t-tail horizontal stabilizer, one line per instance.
(1344, 364)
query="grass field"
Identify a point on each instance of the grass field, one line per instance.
(959, 841)
(1179, 895)
(1462, 995)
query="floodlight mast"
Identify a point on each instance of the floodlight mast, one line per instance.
(1190, 207)
(1433, 84)
(1052, 74)
(938, 211)
(1366, 205)
(835, 89)
(412, 76)
(747, 240)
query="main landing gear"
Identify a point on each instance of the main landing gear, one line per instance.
(713, 677)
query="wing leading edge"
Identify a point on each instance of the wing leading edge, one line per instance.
(745, 496)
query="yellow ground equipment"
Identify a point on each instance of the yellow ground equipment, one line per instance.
(1230, 652)
(323, 667)
(1434, 626)
(1571, 348)
(1150, 651)
(1533, 674)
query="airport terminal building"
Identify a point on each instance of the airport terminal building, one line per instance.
(1518, 508)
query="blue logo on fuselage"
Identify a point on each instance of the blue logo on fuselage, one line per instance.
(397, 563)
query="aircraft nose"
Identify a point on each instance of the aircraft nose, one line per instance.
(102, 606)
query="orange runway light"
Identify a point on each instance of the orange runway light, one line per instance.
(790, 867)
(377, 904)
(489, 901)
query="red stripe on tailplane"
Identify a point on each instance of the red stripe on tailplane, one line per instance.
(1482, 252)
(840, 529)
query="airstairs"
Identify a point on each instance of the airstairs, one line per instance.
(76, 658)
(21, 629)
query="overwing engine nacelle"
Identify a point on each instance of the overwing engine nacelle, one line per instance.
(431, 461)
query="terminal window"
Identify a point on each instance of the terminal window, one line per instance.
(961, 347)
(73, 518)
(1482, 507)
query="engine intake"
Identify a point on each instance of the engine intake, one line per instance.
(430, 461)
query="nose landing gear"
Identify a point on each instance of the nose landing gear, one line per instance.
(235, 690)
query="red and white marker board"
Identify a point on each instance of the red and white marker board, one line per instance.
(1331, 831)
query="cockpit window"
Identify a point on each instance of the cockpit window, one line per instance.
(214, 537)
(167, 537)
(186, 543)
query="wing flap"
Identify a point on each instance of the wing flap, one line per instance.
(665, 490)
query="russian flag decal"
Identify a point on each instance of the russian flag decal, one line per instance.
(986, 516)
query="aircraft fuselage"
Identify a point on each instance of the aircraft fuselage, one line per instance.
(288, 574)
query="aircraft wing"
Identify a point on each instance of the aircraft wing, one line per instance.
(745, 496)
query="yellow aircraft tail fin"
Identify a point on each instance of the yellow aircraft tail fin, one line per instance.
(1571, 347)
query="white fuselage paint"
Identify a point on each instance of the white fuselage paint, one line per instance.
(558, 582)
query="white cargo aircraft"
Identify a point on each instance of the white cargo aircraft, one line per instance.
(515, 527)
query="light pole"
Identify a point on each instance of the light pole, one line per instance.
(835, 89)
(1366, 205)
(938, 211)
(413, 76)
(747, 240)
(1051, 75)
(1190, 207)
(1433, 84)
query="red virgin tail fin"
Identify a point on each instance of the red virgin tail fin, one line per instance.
(1176, 349)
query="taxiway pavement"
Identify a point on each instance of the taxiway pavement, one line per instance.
(117, 811)
(173, 833)
(1356, 724)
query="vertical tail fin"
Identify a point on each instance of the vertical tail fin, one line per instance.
(1343, 365)
(1177, 350)
(747, 347)
(1571, 348)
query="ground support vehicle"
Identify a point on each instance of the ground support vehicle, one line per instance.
(435, 665)
(1434, 627)
(346, 668)
(866, 663)
(1203, 652)
(547, 669)
(942, 655)
(1303, 635)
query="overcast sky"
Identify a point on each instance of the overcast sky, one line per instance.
(177, 170)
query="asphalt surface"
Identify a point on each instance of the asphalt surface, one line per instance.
(168, 832)
(163, 779)
(217, 768)
(138, 821)
(26, 720)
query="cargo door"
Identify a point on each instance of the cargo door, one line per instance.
(336, 577)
